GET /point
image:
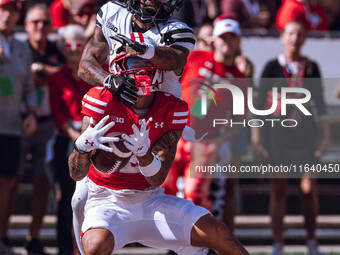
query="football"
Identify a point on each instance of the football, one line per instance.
(110, 162)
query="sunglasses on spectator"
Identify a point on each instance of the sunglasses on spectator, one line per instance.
(45, 22)
(74, 45)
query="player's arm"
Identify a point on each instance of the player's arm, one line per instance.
(79, 163)
(165, 150)
(168, 58)
(172, 58)
(92, 137)
(94, 55)
(91, 71)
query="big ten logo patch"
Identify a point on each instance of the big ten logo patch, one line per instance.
(117, 119)
(112, 27)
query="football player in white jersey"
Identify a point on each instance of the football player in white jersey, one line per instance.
(174, 41)
(129, 205)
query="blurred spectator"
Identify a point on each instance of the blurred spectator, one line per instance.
(46, 60)
(204, 38)
(81, 12)
(298, 145)
(332, 10)
(66, 93)
(308, 12)
(196, 12)
(239, 145)
(214, 66)
(16, 87)
(238, 150)
(250, 13)
(182, 158)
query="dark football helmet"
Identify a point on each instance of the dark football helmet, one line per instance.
(165, 9)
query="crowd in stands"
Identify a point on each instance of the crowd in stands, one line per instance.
(316, 15)
(46, 73)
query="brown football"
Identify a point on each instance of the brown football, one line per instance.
(110, 162)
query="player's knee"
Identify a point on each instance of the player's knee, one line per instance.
(221, 232)
(224, 241)
(95, 246)
(92, 248)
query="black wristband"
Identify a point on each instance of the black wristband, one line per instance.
(76, 148)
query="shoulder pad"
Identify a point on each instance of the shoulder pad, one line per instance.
(178, 35)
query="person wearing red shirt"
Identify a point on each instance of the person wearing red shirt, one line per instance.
(215, 66)
(66, 93)
(308, 12)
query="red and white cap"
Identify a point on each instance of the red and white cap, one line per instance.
(222, 26)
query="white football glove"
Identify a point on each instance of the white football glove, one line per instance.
(139, 142)
(93, 137)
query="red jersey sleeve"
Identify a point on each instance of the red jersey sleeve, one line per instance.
(95, 102)
(177, 116)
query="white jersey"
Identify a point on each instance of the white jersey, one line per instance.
(113, 18)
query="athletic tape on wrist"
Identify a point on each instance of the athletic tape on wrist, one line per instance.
(150, 52)
(152, 168)
(77, 149)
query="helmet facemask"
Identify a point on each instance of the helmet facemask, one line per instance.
(165, 9)
(148, 77)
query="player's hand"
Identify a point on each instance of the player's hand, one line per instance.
(123, 88)
(139, 142)
(144, 50)
(94, 137)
